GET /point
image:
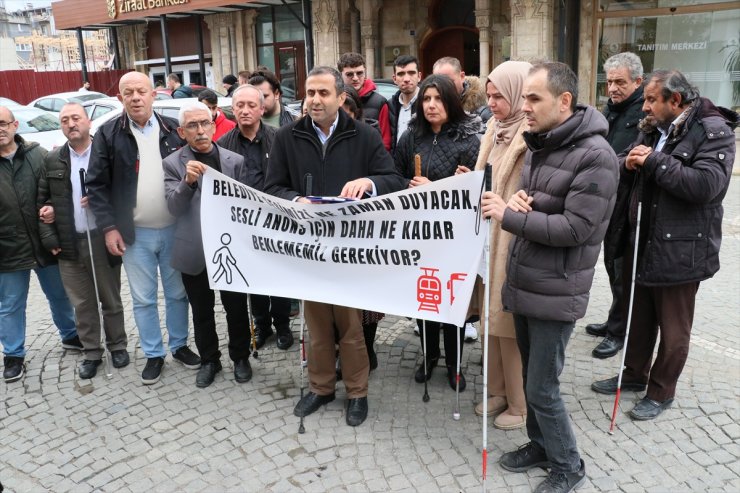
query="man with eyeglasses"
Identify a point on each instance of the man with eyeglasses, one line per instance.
(374, 106)
(125, 183)
(182, 174)
(21, 251)
(252, 139)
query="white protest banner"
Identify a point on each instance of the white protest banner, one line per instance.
(413, 253)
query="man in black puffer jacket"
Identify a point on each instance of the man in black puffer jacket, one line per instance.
(623, 112)
(66, 238)
(558, 220)
(21, 164)
(680, 170)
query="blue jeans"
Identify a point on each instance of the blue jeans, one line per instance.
(13, 299)
(151, 250)
(542, 345)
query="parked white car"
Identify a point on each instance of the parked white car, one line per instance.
(35, 125)
(54, 102)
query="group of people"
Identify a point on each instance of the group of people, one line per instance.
(564, 179)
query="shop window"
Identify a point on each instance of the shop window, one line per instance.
(280, 47)
(617, 5)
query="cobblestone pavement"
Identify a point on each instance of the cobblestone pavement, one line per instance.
(59, 433)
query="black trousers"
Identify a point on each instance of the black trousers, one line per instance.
(202, 300)
(615, 324)
(271, 310)
(452, 337)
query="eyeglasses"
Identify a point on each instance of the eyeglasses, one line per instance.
(193, 126)
(5, 125)
(351, 75)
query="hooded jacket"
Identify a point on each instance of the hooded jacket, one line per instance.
(681, 188)
(20, 244)
(571, 172)
(455, 144)
(375, 107)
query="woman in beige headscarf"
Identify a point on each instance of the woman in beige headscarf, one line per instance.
(503, 147)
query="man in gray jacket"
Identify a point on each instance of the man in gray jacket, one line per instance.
(182, 184)
(559, 219)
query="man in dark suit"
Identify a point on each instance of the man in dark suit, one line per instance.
(182, 175)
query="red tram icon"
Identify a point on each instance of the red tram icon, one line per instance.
(429, 290)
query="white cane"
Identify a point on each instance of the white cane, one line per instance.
(486, 329)
(302, 356)
(106, 364)
(456, 412)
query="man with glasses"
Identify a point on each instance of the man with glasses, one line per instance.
(252, 139)
(125, 184)
(374, 106)
(182, 173)
(21, 163)
(221, 123)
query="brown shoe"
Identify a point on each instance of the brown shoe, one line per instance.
(496, 405)
(507, 421)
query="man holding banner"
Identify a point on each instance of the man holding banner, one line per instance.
(182, 185)
(346, 158)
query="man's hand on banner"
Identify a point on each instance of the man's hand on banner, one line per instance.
(194, 169)
(114, 243)
(418, 181)
(356, 189)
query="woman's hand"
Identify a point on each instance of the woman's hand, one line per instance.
(418, 181)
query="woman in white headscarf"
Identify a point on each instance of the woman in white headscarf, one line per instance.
(503, 148)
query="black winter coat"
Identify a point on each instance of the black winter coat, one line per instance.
(230, 141)
(113, 173)
(20, 244)
(55, 187)
(571, 171)
(623, 119)
(455, 144)
(682, 188)
(394, 109)
(354, 150)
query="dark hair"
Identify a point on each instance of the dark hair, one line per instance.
(350, 60)
(174, 78)
(353, 101)
(260, 76)
(674, 82)
(324, 70)
(208, 95)
(450, 100)
(560, 79)
(230, 79)
(404, 60)
(245, 74)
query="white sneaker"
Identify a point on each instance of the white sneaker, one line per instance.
(471, 333)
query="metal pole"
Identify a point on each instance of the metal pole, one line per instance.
(117, 54)
(201, 55)
(308, 33)
(83, 58)
(165, 44)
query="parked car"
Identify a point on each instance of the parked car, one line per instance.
(36, 125)
(164, 93)
(104, 110)
(54, 102)
(8, 102)
(386, 88)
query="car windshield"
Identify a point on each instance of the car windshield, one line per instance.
(32, 121)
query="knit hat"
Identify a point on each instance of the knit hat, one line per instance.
(230, 79)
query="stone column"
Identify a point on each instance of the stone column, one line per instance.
(325, 37)
(483, 23)
(587, 58)
(532, 29)
(247, 39)
(221, 28)
(369, 32)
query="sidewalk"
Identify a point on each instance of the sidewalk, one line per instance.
(59, 433)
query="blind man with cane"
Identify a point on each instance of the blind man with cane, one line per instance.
(84, 263)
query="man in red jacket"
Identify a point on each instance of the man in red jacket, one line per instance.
(223, 124)
(375, 106)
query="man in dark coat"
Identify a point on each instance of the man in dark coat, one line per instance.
(558, 220)
(623, 112)
(401, 106)
(679, 169)
(346, 158)
(21, 164)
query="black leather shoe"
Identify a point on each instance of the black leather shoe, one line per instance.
(242, 371)
(310, 403)
(609, 386)
(284, 339)
(607, 348)
(649, 409)
(525, 458)
(207, 373)
(562, 482)
(357, 411)
(15, 368)
(419, 376)
(262, 335)
(598, 330)
(451, 378)
(89, 368)
(119, 358)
